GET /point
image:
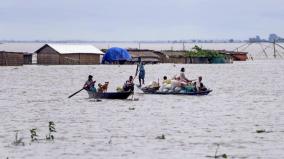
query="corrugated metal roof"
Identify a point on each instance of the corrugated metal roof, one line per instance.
(75, 48)
(26, 48)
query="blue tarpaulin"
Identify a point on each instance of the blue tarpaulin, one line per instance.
(116, 54)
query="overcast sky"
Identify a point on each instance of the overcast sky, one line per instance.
(139, 19)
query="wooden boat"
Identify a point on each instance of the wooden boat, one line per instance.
(155, 91)
(110, 95)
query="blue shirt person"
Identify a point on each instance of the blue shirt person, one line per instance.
(140, 68)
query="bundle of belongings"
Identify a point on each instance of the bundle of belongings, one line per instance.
(176, 85)
(151, 87)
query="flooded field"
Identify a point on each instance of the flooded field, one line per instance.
(247, 97)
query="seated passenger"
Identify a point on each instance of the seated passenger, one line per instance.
(129, 85)
(199, 85)
(182, 77)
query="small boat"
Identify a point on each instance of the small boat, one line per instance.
(110, 95)
(156, 91)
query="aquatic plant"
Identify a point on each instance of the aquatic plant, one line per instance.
(162, 137)
(260, 131)
(216, 154)
(18, 141)
(110, 141)
(33, 134)
(51, 127)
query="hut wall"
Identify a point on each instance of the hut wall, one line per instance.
(69, 59)
(28, 59)
(178, 60)
(79, 59)
(1, 59)
(199, 60)
(240, 57)
(162, 58)
(48, 56)
(11, 59)
(89, 59)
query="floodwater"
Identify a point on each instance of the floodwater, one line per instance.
(247, 97)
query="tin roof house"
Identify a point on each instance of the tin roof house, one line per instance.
(68, 54)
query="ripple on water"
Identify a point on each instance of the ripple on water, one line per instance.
(109, 129)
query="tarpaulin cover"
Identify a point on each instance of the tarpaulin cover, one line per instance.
(116, 54)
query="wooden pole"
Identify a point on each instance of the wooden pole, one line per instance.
(274, 49)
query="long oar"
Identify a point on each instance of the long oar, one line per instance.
(76, 93)
(80, 90)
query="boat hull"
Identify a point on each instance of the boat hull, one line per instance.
(174, 93)
(110, 95)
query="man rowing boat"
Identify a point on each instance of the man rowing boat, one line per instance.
(90, 84)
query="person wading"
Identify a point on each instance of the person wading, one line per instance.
(141, 70)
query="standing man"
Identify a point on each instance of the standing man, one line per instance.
(141, 70)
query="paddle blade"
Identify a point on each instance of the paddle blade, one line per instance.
(75, 93)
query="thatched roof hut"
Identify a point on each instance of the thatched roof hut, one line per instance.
(171, 56)
(147, 56)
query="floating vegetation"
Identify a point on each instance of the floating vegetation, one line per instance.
(262, 131)
(216, 154)
(51, 127)
(110, 141)
(33, 134)
(162, 137)
(18, 141)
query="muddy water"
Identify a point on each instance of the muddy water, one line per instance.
(246, 97)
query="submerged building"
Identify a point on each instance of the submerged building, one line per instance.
(67, 54)
(14, 54)
(11, 58)
(146, 56)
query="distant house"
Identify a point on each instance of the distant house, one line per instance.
(236, 55)
(18, 49)
(170, 56)
(64, 54)
(11, 58)
(147, 56)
